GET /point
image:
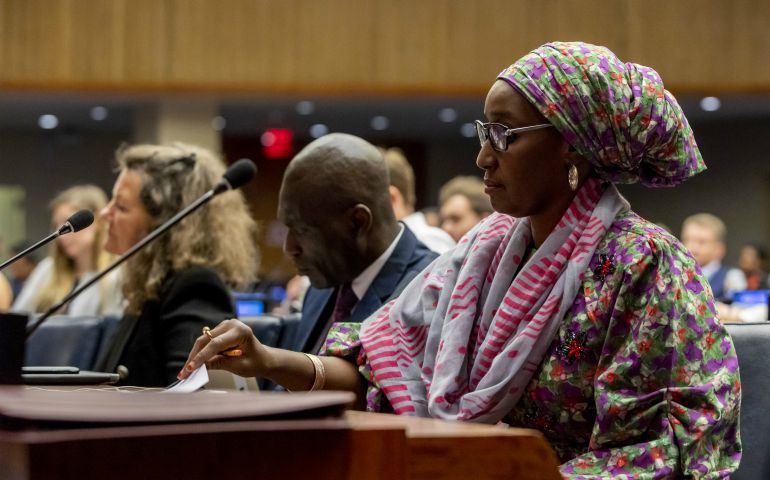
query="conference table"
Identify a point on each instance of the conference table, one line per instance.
(49, 434)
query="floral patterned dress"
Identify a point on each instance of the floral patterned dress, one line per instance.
(641, 380)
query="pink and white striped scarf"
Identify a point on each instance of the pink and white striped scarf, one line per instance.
(464, 338)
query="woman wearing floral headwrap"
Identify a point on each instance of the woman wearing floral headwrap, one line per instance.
(565, 311)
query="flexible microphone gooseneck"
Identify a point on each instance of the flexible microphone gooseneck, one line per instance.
(236, 176)
(77, 222)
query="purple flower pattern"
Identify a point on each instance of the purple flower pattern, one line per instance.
(655, 393)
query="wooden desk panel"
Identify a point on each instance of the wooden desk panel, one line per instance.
(358, 446)
(453, 450)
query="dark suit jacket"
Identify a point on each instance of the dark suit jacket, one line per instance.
(155, 345)
(408, 259)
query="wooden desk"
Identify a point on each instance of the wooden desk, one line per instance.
(357, 446)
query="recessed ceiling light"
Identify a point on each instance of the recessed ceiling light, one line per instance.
(218, 123)
(468, 130)
(318, 130)
(447, 115)
(99, 113)
(380, 122)
(267, 139)
(710, 104)
(305, 107)
(48, 121)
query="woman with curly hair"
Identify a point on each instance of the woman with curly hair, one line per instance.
(180, 283)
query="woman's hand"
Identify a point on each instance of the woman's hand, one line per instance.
(230, 346)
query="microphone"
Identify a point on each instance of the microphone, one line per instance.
(236, 176)
(77, 222)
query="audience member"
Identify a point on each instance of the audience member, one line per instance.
(752, 262)
(74, 259)
(180, 283)
(403, 198)
(432, 216)
(463, 204)
(566, 311)
(704, 235)
(342, 234)
(6, 294)
(21, 269)
(296, 288)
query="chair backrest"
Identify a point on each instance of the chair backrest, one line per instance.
(65, 340)
(267, 328)
(109, 327)
(752, 343)
(290, 324)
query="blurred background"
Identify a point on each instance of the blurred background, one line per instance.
(260, 79)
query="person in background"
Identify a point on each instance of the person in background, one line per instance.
(432, 216)
(704, 235)
(565, 311)
(74, 259)
(752, 262)
(403, 198)
(6, 294)
(462, 205)
(22, 268)
(181, 282)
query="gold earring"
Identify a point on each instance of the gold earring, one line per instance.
(572, 177)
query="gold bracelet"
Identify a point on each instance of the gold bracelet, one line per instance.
(319, 380)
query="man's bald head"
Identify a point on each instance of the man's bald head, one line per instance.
(334, 199)
(349, 166)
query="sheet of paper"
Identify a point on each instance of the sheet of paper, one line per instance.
(194, 382)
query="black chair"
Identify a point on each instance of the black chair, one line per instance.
(290, 323)
(267, 328)
(109, 327)
(752, 343)
(65, 341)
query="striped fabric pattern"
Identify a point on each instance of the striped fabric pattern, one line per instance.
(463, 339)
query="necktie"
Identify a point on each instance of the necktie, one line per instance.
(346, 300)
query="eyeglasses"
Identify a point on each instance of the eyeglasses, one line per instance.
(500, 136)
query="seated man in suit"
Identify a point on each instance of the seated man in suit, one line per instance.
(704, 235)
(343, 235)
(402, 197)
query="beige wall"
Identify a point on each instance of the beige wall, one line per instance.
(366, 45)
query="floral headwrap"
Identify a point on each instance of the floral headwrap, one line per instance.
(617, 115)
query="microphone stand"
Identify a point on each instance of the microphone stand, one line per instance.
(128, 254)
(33, 247)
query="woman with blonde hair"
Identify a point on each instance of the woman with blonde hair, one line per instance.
(180, 283)
(74, 259)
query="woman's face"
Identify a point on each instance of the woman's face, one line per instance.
(531, 174)
(126, 217)
(74, 245)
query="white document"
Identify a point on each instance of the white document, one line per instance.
(194, 382)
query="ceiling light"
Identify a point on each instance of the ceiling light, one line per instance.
(380, 122)
(318, 130)
(268, 139)
(468, 130)
(447, 115)
(48, 122)
(305, 107)
(218, 123)
(710, 104)
(99, 113)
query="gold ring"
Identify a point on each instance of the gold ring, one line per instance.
(207, 332)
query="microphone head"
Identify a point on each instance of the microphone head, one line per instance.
(239, 173)
(77, 222)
